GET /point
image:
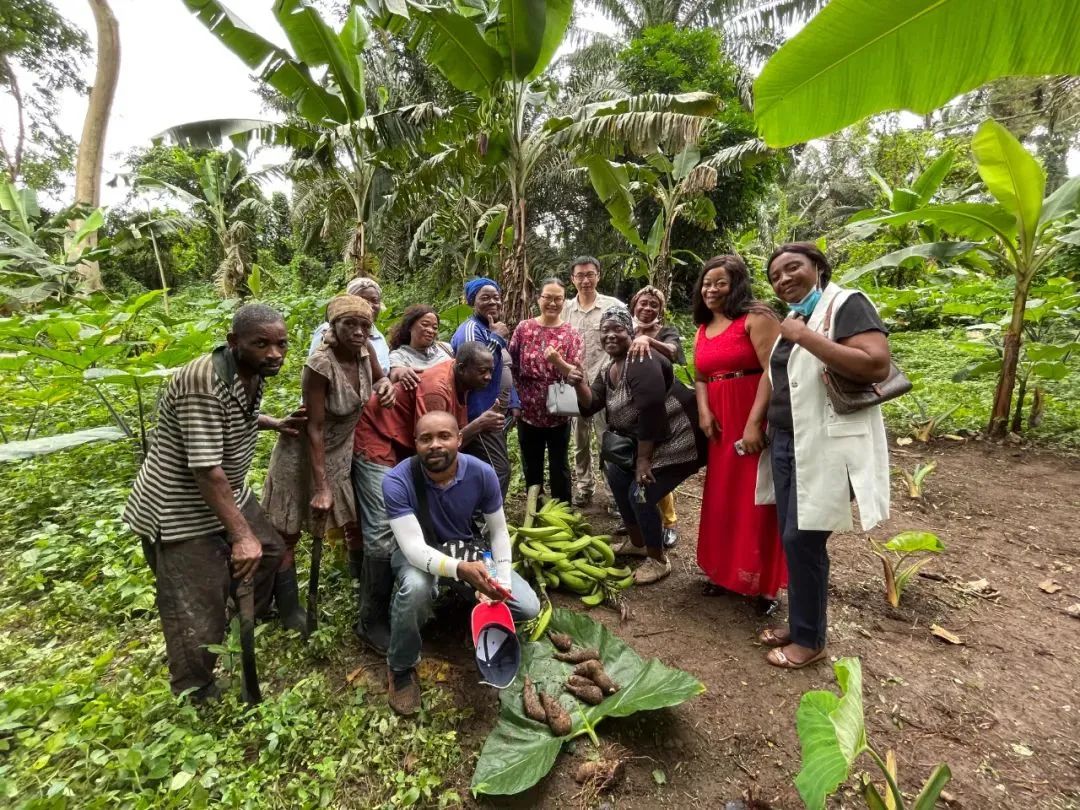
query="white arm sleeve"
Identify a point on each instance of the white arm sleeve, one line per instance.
(410, 539)
(500, 545)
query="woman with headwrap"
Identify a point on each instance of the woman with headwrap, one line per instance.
(653, 442)
(308, 485)
(485, 326)
(650, 334)
(370, 291)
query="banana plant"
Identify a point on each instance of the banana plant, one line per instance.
(230, 203)
(1019, 233)
(495, 51)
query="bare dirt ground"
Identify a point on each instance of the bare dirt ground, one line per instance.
(1002, 708)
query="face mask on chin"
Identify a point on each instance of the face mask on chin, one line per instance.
(805, 307)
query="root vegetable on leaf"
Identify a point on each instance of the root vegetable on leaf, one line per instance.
(578, 655)
(584, 689)
(594, 671)
(561, 641)
(533, 709)
(558, 719)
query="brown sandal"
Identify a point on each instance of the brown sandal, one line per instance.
(777, 658)
(771, 637)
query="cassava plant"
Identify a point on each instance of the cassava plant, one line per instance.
(894, 556)
(832, 734)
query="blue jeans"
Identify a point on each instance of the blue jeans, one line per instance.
(411, 608)
(646, 516)
(367, 479)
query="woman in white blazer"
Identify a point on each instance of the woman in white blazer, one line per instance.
(819, 460)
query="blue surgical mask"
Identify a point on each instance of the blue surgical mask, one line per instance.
(806, 306)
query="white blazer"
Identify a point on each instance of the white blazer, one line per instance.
(830, 450)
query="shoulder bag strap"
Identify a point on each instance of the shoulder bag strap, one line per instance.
(423, 514)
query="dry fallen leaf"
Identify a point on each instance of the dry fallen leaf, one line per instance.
(976, 585)
(944, 634)
(1074, 610)
(904, 441)
(1022, 750)
(1049, 586)
(434, 669)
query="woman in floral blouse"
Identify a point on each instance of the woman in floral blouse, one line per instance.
(544, 350)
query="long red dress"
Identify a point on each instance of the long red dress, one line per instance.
(738, 541)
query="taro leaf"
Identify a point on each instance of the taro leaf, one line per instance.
(831, 733)
(18, 451)
(911, 542)
(520, 752)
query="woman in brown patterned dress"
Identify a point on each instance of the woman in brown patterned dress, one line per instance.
(308, 487)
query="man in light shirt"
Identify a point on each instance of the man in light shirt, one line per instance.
(583, 312)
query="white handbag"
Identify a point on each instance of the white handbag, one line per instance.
(562, 399)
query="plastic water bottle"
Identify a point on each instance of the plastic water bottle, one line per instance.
(489, 564)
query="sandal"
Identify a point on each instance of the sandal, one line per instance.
(774, 637)
(777, 658)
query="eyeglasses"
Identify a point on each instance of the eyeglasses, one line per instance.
(552, 299)
(590, 276)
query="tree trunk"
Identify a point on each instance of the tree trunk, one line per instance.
(999, 415)
(1018, 414)
(662, 273)
(92, 143)
(517, 286)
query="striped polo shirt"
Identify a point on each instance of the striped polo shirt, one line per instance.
(204, 420)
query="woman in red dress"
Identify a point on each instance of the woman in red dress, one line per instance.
(738, 542)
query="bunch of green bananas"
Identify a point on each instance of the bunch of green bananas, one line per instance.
(558, 549)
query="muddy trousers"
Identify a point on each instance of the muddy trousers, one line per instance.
(194, 580)
(806, 552)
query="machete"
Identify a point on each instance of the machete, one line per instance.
(245, 597)
(318, 529)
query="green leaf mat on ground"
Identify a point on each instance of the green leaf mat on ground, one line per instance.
(519, 752)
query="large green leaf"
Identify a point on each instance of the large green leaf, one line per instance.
(274, 65)
(457, 48)
(528, 32)
(928, 796)
(931, 178)
(861, 57)
(520, 752)
(1063, 202)
(941, 251)
(971, 220)
(831, 733)
(316, 45)
(1012, 175)
(20, 204)
(611, 182)
(911, 542)
(31, 448)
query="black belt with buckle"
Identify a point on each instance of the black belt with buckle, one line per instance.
(731, 375)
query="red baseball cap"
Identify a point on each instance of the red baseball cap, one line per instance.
(498, 654)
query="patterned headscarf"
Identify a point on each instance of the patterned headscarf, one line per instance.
(472, 288)
(620, 315)
(655, 293)
(358, 285)
(342, 306)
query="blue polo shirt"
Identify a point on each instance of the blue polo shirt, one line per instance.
(474, 487)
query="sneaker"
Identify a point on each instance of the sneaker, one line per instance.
(627, 549)
(613, 511)
(582, 499)
(671, 537)
(652, 570)
(620, 530)
(403, 692)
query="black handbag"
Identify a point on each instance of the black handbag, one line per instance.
(848, 396)
(618, 449)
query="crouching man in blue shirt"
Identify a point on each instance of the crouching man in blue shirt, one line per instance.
(445, 489)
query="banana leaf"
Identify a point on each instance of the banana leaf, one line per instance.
(519, 752)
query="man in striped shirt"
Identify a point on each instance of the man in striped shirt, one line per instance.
(200, 523)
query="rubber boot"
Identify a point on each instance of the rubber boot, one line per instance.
(356, 571)
(376, 588)
(287, 597)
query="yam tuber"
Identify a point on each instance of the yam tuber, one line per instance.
(578, 655)
(562, 641)
(594, 671)
(584, 689)
(602, 773)
(533, 709)
(558, 719)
